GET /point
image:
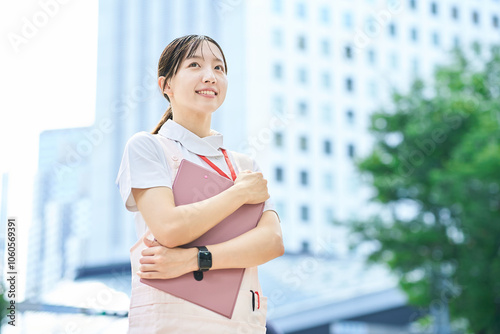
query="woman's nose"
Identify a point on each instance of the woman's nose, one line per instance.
(208, 76)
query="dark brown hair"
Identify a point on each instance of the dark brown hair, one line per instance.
(171, 58)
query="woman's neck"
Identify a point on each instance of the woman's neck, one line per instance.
(199, 124)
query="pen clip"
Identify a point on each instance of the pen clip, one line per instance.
(253, 300)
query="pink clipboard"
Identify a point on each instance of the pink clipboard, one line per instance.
(219, 289)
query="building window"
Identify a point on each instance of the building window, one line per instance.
(305, 247)
(414, 34)
(325, 47)
(394, 60)
(349, 84)
(350, 116)
(301, 42)
(372, 88)
(434, 8)
(324, 15)
(328, 181)
(329, 215)
(326, 113)
(278, 174)
(475, 17)
(413, 4)
(303, 143)
(435, 39)
(277, 6)
(304, 213)
(495, 21)
(278, 38)
(347, 20)
(326, 80)
(371, 56)
(278, 105)
(415, 65)
(301, 10)
(348, 52)
(278, 139)
(302, 75)
(392, 30)
(351, 150)
(327, 147)
(304, 178)
(303, 108)
(278, 71)
(372, 27)
(280, 207)
(454, 13)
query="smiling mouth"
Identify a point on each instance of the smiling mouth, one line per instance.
(206, 92)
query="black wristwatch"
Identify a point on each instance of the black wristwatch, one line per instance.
(204, 262)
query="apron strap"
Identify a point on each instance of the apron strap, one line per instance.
(172, 154)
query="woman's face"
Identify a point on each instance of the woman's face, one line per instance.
(200, 84)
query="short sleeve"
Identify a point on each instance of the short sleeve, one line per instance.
(268, 204)
(143, 166)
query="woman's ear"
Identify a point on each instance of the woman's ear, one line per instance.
(167, 89)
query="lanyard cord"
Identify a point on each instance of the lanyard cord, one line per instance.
(233, 174)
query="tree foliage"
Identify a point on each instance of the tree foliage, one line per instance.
(435, 169)
(3, 305)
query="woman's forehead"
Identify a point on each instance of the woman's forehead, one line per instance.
(206, 50)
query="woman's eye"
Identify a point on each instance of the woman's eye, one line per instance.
(219, 67)
(193, 65)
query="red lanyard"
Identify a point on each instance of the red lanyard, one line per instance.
(233, 174)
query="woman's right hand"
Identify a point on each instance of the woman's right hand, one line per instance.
(253, 186)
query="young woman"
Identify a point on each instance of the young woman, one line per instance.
(192, 77)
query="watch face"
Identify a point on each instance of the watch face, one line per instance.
(204, 260)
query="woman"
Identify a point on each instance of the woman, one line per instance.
(192, 77)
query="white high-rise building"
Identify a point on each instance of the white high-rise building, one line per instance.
(60, 230)
(320, 68)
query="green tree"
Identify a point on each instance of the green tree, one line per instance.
(3, 306)
(435, 170)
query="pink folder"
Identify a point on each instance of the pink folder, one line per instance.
(219, 288)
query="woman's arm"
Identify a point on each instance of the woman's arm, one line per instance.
(174, 225)
(253, 248)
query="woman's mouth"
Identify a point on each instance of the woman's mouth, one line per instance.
(206, 93)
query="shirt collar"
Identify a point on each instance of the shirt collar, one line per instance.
(207, 146)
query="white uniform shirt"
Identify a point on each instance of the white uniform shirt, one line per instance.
(144, 164)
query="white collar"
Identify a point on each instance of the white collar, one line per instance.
(207, 146)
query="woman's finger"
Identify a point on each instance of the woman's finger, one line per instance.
(150, 251)
(148, 268)
(147, 259)
(150, 274)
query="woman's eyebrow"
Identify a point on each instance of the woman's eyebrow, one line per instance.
(198, 57)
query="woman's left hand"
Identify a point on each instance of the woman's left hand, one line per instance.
(158, 261)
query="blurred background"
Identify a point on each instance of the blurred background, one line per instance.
(371, 127)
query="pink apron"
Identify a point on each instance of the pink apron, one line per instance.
(155, 311)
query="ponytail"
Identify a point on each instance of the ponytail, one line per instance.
(167, 115)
